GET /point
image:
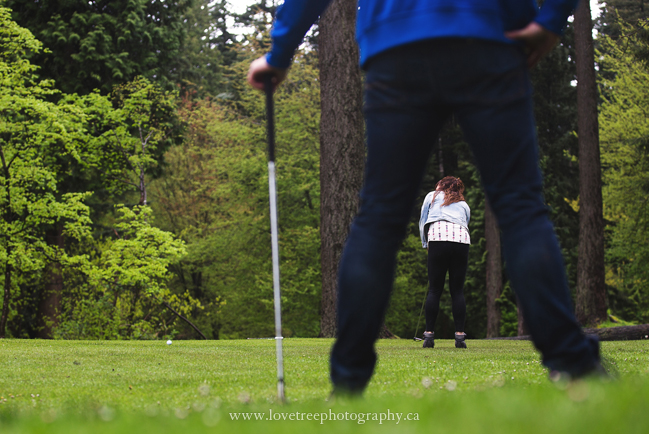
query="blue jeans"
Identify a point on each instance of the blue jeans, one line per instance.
(410, 91)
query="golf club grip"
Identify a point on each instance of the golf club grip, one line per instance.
(270, 116)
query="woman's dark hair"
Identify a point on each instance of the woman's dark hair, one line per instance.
(452, 187)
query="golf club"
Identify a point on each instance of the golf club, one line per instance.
(270, 133)
(415, 338)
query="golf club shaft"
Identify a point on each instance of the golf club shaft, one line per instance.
(272, 189)
(420, 312)
(276, 287)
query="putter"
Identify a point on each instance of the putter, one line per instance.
(270, 133)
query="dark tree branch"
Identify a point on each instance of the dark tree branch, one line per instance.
(184, 319)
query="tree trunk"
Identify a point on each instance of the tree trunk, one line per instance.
(591, 292)
(623, 333)
(342, 150)
(49, 306)
(522, 327)
(494, 271)
(7, 296)
(8, 217)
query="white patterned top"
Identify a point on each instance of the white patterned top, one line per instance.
(443, 230)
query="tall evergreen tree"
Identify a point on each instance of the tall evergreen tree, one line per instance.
(200, 60)
(627, 20)
(97, 44)
(624, 129)
(591, 290)
(629, 11)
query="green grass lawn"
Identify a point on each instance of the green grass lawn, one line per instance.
(203, 386)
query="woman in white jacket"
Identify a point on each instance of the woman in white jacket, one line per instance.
(444, 229)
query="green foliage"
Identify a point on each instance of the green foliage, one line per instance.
(614, 321)
(128, 134)
(116, 287)
(97, 45)
(206, 180)
(33, 132)
(508, 311)
(624, 132)
(89, 319)
(124, 287)
(137, 136)
(139, 258)
(475, 290)
(618, 15)
(214, 195)
(259, 15)
(410, 287)
(207, 47)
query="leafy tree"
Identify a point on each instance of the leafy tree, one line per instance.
(140, 125)
(124, 287)
(105, 288)
(98, 44)
(215, 196)
(32, 130)
(128, 261)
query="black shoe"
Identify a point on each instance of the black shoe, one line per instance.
(429, 340)
(344, 394)
(459, 341)
(597, 373)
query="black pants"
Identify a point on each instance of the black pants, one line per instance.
(443, 257)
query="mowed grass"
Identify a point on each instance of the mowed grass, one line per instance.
(203, 386)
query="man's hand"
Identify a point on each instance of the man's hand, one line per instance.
(260, 69)
(537, 39)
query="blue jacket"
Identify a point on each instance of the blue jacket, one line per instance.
(385, 24)
(457, 212)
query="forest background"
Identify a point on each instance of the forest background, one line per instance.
(133, 186)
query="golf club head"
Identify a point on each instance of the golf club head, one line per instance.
(417, 339)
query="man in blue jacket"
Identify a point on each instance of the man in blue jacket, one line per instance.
(425, 60)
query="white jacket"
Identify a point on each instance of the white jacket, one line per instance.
(457, 212)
